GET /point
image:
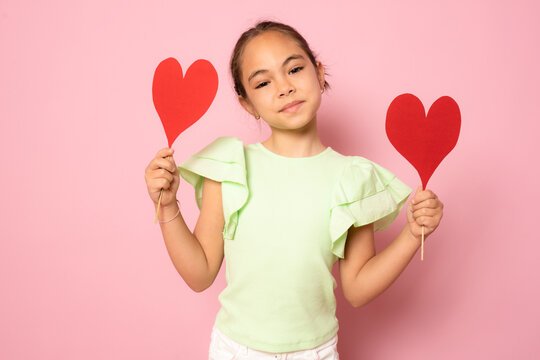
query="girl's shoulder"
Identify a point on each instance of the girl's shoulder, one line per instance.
(364, 177)
(220, 160)
(364, 193)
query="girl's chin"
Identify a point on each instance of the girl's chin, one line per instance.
(293, 124)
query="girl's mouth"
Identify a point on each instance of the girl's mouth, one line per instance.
(292, 107)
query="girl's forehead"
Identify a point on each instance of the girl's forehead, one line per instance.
(270, 48)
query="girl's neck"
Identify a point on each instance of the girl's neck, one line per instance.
(295, 143)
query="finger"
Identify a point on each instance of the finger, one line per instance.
(173, 163)
(429, 203)
(161, 163)
(162, 174)
(426, 221)
(163, 183)
(425, 212)
(410, 216)
(159, 184)
(418, 189)
(165, 152)
(422, 195)
(422, 220)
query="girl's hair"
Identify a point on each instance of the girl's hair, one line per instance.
(258, 29)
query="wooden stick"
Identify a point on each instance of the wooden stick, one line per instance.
(422, 253)
(159, 203)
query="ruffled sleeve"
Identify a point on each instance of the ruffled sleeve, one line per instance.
(222, 160)
(365, 193)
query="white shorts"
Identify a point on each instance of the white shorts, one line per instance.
(224, 348)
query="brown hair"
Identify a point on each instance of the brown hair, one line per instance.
(258, 29)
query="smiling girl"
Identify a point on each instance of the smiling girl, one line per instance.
(283, 211)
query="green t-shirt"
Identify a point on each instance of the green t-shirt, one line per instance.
(286, 222)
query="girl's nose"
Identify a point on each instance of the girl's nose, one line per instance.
(286, 88)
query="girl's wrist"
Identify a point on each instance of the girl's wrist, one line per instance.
(168, 211)
(417, 240)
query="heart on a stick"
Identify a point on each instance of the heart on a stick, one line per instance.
(181, 101)
(423, 140)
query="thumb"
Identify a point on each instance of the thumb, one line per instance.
(418, 189)
(174, 163)
(170, 157)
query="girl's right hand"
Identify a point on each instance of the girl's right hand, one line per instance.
(162, 173)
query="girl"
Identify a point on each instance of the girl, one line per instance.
(283, 211)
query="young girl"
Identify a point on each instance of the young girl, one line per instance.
(283, 211)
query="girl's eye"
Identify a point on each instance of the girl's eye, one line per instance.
(293, 71)
(297, 69)
(261, 84)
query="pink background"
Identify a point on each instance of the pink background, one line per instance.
(84, 273)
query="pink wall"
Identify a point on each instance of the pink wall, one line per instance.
(84, 273)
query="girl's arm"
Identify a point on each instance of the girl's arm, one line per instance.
(197, 256)
(364, 274)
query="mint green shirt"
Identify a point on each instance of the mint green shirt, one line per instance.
(286, 222)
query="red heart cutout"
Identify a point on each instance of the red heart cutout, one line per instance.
(182, 101)
(423, 141)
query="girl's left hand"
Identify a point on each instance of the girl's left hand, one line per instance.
(425, 209)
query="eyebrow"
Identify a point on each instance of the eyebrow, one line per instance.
(290, 58)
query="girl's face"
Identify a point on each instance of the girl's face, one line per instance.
(282, 85)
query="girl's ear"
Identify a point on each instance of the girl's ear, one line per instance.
(320, 74)
(246, 105)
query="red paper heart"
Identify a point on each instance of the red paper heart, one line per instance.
(182, 101)
(423, 141)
